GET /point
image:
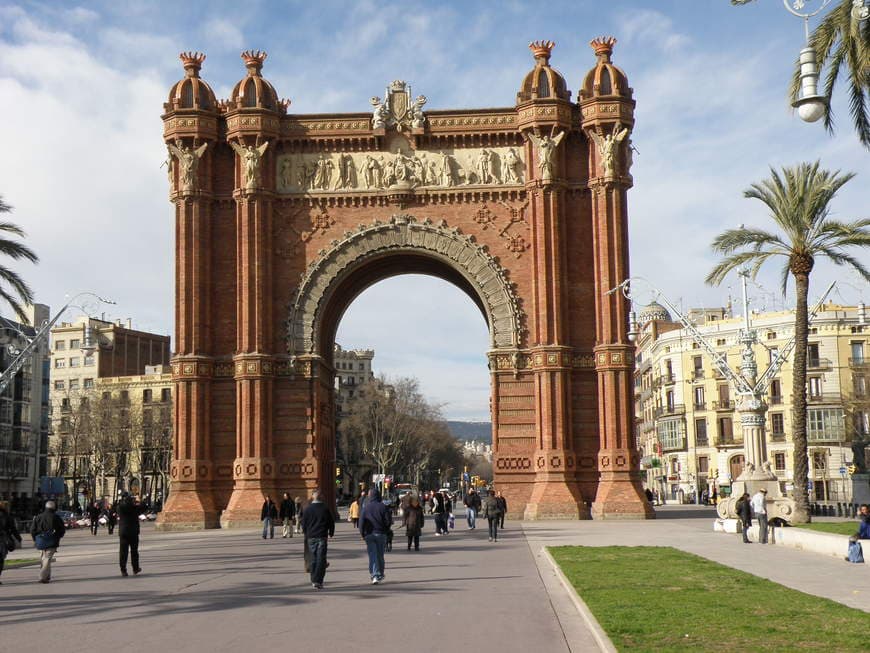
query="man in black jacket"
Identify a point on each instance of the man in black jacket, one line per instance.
(268, 515)
(374, 524)
(472, 507)
(318, 524)
(744, 513)
(47, 529)
(286, 515)
(128, 532)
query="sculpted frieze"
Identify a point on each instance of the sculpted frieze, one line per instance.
(377, 170)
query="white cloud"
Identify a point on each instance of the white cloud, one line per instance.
(225, 32)
(646, 27)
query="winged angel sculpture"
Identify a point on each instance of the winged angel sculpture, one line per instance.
(188, 159)
(251, 157)
(607, 145)
(546, 147)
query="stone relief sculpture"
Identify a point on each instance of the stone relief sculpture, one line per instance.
(415, 112)
(251, 158)
(380, 114)
(188, 159)
(357, 171)
(607, 145)
(546, 146)
(397, 110)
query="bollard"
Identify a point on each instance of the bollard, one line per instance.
(854, 510)
(814, 509)
(830, 511)
(839, 509)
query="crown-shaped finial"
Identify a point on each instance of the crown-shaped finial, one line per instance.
(603, 46)
(254, 60)
(541, 49)
(192, 62)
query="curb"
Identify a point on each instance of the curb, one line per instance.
(601, 638)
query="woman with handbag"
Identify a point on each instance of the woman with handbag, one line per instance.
(8, 534)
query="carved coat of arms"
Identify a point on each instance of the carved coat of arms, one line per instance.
(397, 109)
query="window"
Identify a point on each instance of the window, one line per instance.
(75, 361)
(826, 424)
(695, 345)
(775, 392)
(73, 384)
(859, 384)
(820, 460)
(698, 365)
(362, 367)
(89, 384)
(703, 464)
(777, 424)
(165, 394)
(772, 353)
(59, 385)
(59, 363)
(814, 386)
(75, 343)
(670, 433)
(146, 396)
(699, 397)
(726, 429)
(107, 395)
(669, 400)
(736, 465)
(856, 351)
(771, 335)
(813, 354)
(700, 432)
(779, 461)
(720, 342)
(89, 361)
(64, 403)
(724, 396)
(59, 345)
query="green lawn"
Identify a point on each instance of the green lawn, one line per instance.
(21, 562)
(838, 527)
(662, 599)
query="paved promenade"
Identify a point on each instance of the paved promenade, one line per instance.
(230, 590)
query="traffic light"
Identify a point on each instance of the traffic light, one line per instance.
(851, 469)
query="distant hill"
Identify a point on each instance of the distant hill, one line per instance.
(475, 431)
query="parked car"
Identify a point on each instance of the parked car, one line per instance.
(68, 517)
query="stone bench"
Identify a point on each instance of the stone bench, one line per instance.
(804, 539)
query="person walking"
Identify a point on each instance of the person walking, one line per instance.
(374, 523)
(318, 525)
(439, 514)
(298, 502)
(502, 505)
(744, 512)
(287, 515)
(94, 513)
(759, 509)
(353, 513)
(47, 529)
(491, 512)
(8, 534)
(268, 515)
(472, 507)
(129, 510)
(111, 518)
(412, 520)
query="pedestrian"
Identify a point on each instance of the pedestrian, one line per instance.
(412, 520)
(374, 523)
(8, 534)
(318, 525)
(129, 510)
(111, 519)
(298, 502)
(715, 497)
(502, 505)
(449, 521)
(705, 497)
(744, 513)
(649, 495)
(439, 514)
(353, 513)
(94, 513)
(287, 515)
(472, 507)
(268, 515)
(864, 523)
(759, 509)
(492, 512)
(47, 529)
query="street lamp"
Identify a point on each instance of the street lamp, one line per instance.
(809, 104)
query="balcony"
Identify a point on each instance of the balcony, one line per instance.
(819, 364)
(729, 441)
(717, 373)
(777, 436)
(833, 434)
(860, 362)
(723, 405)
(667, 378)
(664, 411)
(824, 398)
(677, 443)
(698, 374)
(700, 405)
(775, 400)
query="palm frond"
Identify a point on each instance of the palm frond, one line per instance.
(4, 207)
(15, 302)
(733, 239)
(753, 259)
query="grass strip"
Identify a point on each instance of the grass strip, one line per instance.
(838, 527)
(663, 599)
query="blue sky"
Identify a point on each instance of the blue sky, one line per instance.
(82, 87)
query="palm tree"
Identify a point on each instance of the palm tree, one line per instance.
(798, 200)
(19, 293)
(841, 43)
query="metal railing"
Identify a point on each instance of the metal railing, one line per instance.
(676, 409)
(819, 364)
(723, 404)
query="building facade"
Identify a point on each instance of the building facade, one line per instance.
(24, 412)
(353, 368)
(687, 425)
(85, 354)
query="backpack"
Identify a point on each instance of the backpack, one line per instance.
(855, 552)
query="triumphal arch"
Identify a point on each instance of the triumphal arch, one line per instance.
(283, 219)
